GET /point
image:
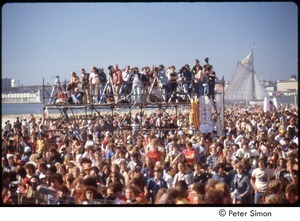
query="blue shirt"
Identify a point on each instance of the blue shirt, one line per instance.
(224, 178)
(109, 154)
(155, 185)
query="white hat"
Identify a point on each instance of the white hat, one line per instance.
(180, 133)
(27, 149)
(254, 153)
(9, 156)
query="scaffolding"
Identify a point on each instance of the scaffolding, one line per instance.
(141, 105)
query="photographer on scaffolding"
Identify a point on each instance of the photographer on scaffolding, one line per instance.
(94, 82)
(127, 84)
(103, 81)
(163, 82)
(136, 84)
(155, 94)
(172, 76)
(187, 83)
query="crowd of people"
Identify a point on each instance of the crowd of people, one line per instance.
(151, 84)
(153, 159)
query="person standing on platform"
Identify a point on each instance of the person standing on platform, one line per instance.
(172, 84)
(211, 80)
(127, 84)
(118, 81)
(103, 81)
(85, 79)
(136, 85)
(73, 82)
(198, 81)
(94, 83)
(163, 81)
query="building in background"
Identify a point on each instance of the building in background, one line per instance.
(288, 86)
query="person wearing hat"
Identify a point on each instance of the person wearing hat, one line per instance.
(280, 136)
(27, 154)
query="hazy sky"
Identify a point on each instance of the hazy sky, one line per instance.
(42, 40)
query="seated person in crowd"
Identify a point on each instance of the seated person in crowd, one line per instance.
(77, 97)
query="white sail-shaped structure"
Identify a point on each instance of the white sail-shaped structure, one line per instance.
(245, 85)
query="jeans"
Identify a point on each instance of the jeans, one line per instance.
(257, 197)
(94, 92)
(166, 92)
(101, 93)
(77, 98)
(136, 90)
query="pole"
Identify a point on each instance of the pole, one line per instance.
(124, 119)
(223, 129)
(43, 98)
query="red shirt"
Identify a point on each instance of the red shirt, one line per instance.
(190, 152)
(117, 77)
(155, 156)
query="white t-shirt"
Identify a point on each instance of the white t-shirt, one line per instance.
(262, 178)
(94, 78)
(89, 143)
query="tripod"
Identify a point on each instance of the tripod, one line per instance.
(182, 91)
(152, 96)
(108, 83)
(56, 85)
